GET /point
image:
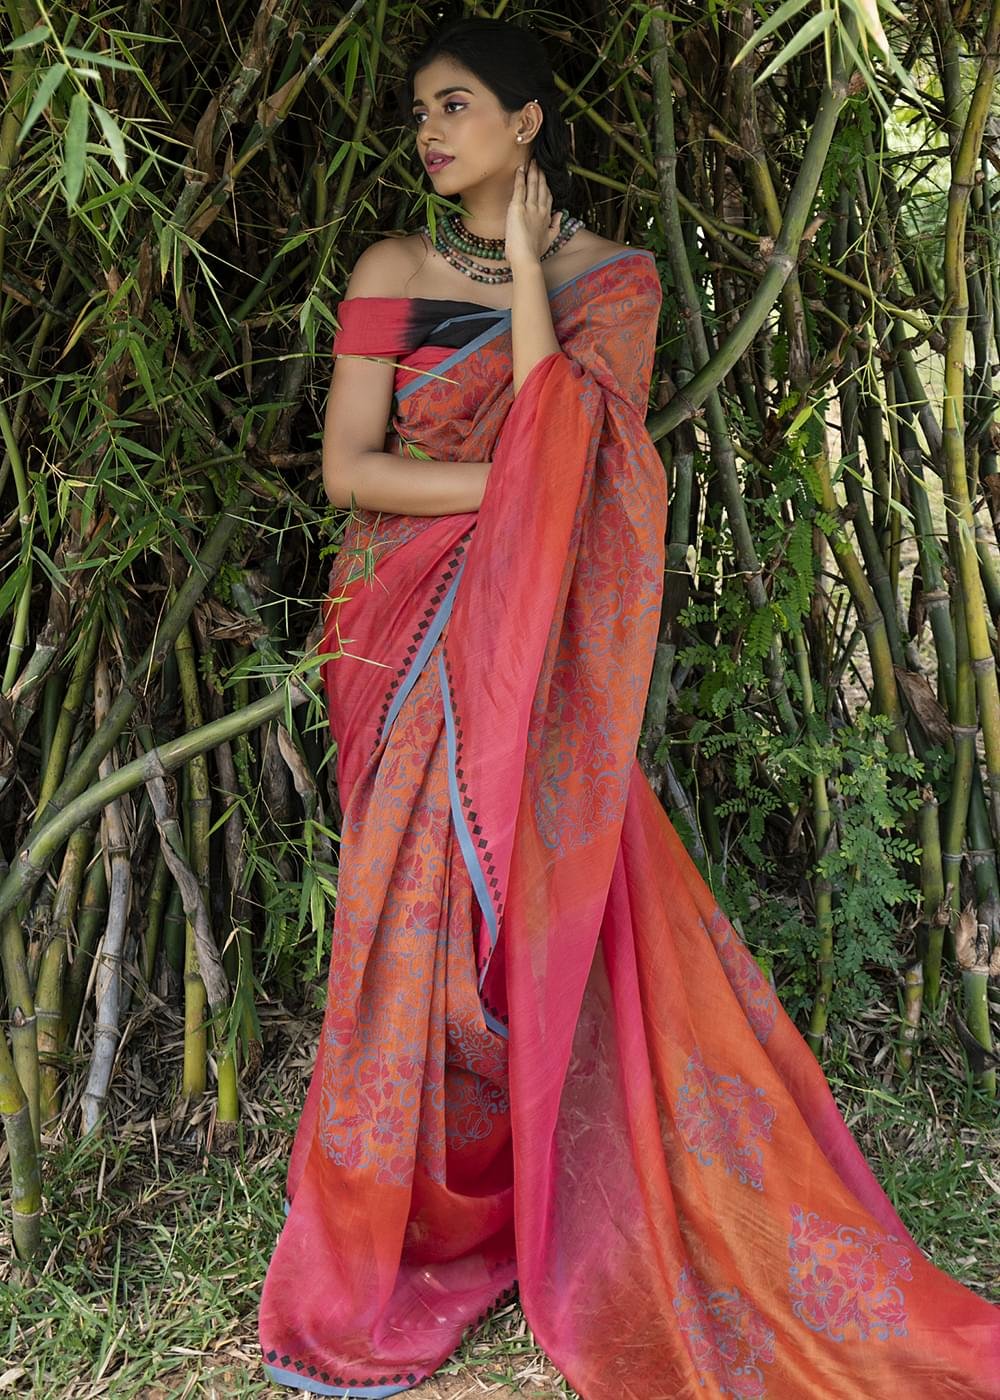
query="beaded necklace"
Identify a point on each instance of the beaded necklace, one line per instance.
(460, 248)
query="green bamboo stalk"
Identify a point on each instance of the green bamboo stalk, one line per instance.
(678, 579)
(955, 319)
(21, 1009)
(52, 970)
(935, 593)
(934, 916)
(824, 837)
(156, 905)
(720, 439)
(912, 1004)
(781, 259)
(873, 551)
(51, 703)
(19, 628)
(964, 731)
(25, 1177)
(93, 914)
(212, 978)
(69, 713)
(174, 925)
(197, 844)
(34, 858)
(208, 563)
(975, 998)
(870, 617)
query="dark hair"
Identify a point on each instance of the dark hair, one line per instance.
(513, 64)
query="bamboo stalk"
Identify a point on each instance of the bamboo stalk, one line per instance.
(720, 440)
(934, 904)
(212, 973)
(824, 838)
(955, 318)
(93, 915)
(52, 970)
(34, 858)
(21, 1010)
(780, 260)
(25, 1177)
(69, 713)
(174, 925)
(156, 906)
(912, 1003)
(199, 821)
(108, 989)
(208, 563)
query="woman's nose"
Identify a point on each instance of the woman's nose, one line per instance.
(430, 130)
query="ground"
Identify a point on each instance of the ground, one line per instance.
(156, 1242)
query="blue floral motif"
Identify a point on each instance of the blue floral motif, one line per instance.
(728, 1339)
(754, 993)
(721, 1116)
(843, 1278)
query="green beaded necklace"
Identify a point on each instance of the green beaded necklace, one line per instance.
(460, 248)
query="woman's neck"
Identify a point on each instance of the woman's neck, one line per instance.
(487, 212)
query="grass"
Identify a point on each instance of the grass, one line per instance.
(156, 1242)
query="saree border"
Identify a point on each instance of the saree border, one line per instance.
(503, 321)
(386, 1385)
(469, 834)
(435, 624)
(423, 640)
(301, 1380)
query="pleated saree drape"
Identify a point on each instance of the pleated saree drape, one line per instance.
(547, 1059)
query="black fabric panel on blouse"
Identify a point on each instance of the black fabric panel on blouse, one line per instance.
(433, 322)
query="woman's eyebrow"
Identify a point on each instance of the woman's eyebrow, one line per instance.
(417, 102)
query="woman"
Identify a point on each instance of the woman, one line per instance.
(547, 1056)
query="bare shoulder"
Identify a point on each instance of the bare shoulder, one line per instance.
(586, 249)
(384, 269)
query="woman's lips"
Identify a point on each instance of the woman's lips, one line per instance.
(438, 162)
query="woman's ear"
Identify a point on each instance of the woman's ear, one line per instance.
(531, 121)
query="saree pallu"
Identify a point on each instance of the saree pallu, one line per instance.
(548, 1061)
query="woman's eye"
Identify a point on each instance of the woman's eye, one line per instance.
(417, 115)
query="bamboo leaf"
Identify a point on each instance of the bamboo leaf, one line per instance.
(114, 138)
(142, 369)
(105, 60)
(811, 30)
(47, 85)
(870, 23)
(75, 147)
(351, 72)
(38, 35)
(782, 13)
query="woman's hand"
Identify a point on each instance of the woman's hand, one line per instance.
(531, 225)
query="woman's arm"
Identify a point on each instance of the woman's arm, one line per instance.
(356, 470)
(528, 232)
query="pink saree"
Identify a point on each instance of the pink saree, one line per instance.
(548, 1061)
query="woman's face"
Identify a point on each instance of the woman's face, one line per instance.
(456, 115)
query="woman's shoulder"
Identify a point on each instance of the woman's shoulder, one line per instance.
(586, 250)
(383, 269)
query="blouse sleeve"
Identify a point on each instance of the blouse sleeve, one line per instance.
(378, 326)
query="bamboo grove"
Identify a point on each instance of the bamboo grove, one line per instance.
(184, 191)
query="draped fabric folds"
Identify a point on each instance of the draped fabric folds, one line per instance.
(548, 1061)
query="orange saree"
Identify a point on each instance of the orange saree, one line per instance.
(548, 1060)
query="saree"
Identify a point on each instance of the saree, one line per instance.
(548, 1062)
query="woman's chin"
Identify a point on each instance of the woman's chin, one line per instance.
(444, 182)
